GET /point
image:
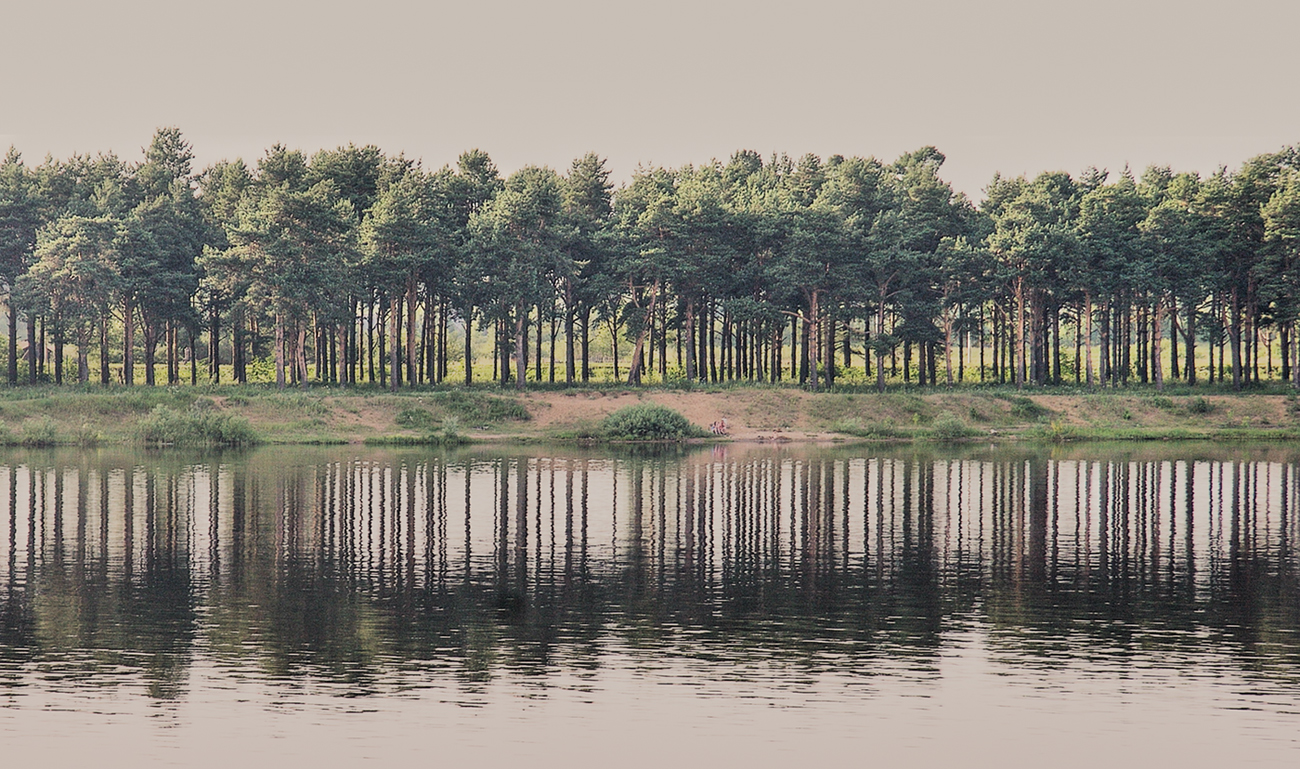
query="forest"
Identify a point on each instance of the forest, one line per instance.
(352, 266)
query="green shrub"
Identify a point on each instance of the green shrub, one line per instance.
(648, 422)
(196, 427)
(480, 407)
(1161, 402)
(1199, 405)
(949, 427)
(1025, 408)
(415, 419)
(40, 433)
(1056, 432)
(874, 431)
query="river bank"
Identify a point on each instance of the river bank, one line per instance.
(62, 416)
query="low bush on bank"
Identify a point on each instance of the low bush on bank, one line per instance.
(480, 407)
(950, 427)
(166, 426)
(435, 432)
(879, 431)
(648, 422)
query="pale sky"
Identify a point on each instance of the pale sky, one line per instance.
(1017, 86)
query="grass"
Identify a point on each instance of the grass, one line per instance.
(234, 415)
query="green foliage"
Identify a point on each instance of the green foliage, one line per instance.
(414, 418)
(648, 422)
(1199, 405)
(950, 427)
(478, 408)
(885, 430)
(1025, 408)
(196, 427)
(40, 433)
(1056, 432)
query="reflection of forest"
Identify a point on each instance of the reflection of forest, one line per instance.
(349, 567)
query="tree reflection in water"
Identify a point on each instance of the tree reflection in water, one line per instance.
(374, 569)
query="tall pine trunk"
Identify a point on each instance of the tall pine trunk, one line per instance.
(128, 343)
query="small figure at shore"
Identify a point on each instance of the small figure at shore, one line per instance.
(719, 427)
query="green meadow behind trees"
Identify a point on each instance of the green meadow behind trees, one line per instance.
(352, 266)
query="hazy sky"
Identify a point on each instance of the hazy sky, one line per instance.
(1017, 86)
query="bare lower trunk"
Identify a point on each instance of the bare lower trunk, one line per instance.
(301, 355)
(634, 372)
(1020, 334)
(880, 349)
(128, 343)
(394, 335)
(13, 343)
(814, 346)
(83, 357)
(279, 351)
(1087, 336)
(469, 350)
(104, 377)
(410, 330)
(1157, 366)
(947, 347)
(521, 365)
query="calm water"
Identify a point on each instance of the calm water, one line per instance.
(771, 606)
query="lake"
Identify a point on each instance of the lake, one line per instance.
(765, 605)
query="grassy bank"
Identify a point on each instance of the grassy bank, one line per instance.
(233, 415)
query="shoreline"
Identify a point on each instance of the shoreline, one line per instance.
(48, 416)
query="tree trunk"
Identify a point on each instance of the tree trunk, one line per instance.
(1234, 331)
(690, 339)
(521, 363)
(1087, 337)
(104, 377)
(128, 343)
(469, 348)
(1019, 352)
(634, 373)
(947, 346)
(812, 334)
(1157, 365)
(58, 355)
(411, 307)
(570, 349)
(394, 342)
(83, 356)
(279, 351)
(13, 343)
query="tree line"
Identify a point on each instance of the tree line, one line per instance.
(354, 266)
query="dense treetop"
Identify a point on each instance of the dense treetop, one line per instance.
(352, 265)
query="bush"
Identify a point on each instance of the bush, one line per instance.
(480, 407)
(648, 422)
(875, 431)
(196, 427)
(1025, 408)
(40, 434)
(1199, 405)
(415, 419)
(949, 427)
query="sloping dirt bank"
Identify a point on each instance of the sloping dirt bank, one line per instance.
(52, 416)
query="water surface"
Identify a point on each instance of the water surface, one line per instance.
(989, 607)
